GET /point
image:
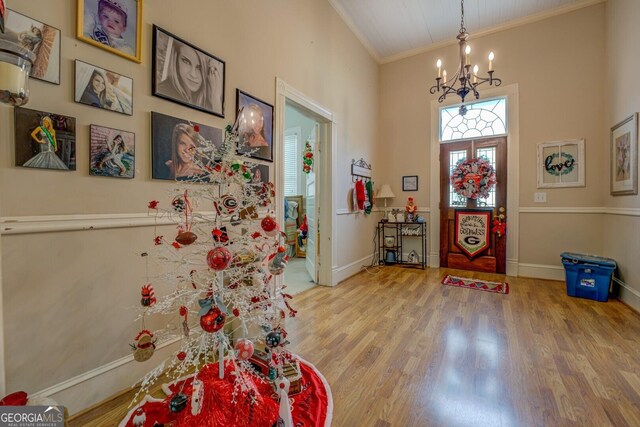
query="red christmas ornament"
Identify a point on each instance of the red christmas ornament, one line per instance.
(196, 128)
(148, 296)
(182, 355)
(213, 321)
(269, 225)
(153, 204)
(219, 258)
(176, 245)
(157, 240)
(244, 349)
(18, 398)
(236, 312)
(183, 311)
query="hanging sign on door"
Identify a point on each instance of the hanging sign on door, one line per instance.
(472, 231)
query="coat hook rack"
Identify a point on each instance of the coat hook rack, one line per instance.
(360, 170)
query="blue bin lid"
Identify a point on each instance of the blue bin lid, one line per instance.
(589, 259)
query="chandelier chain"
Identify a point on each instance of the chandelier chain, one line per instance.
(462, 27)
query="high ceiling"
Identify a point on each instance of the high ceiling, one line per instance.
(392, 29)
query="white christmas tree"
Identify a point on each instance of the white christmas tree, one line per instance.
(221, 300)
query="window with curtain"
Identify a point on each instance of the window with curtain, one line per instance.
(292, 161)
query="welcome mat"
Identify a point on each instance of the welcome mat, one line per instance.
(483, 285)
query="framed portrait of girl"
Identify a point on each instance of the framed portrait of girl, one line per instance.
(186, 74)
(255, 126)
(112, 25)
(102, 88)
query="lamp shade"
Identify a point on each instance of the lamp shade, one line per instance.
(385, 192)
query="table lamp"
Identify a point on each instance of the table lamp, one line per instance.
(15, 65)
(385, 193)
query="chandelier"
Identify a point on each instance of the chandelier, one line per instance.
(464, 81)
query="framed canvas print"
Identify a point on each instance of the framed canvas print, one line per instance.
(255, 126)
(186, 74)
(41, 39)
(102, 88)
(624, 157)
(410, 183)
(113, 25)
(44, 140)
(2, 14)
(174, 148)
(561, 164)
(111, 152)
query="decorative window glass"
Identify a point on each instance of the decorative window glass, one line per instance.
(488, 153)
(483, 118)
(561, 164)
(455, 199)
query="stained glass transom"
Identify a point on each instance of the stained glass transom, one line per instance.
(483, 118)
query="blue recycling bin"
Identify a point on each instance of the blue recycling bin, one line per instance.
(588, 276)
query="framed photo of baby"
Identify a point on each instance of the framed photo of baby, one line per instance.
(41, 39)
(102, 88)
(44, 140)
(255, 126)
(111, 152)
(186, 74)
(113, 25)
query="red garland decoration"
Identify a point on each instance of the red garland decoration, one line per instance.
(473, 178)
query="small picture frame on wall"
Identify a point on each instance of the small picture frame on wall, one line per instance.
(186, 74)
(102, 88)
(174, 148)
(41, 39)
(561, 164)
(44, 140)
(624, 157)
(410, 183)
(111, 152)
(255, 126)
(112, 25)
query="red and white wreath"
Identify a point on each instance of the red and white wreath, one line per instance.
(473, 178)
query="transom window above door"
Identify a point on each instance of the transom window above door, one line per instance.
(483, 118)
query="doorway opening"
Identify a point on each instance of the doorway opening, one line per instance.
(305, 135)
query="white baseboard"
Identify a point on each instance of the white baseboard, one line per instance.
(434, 260)
(96, 385)
(512, 267)
(541, 271)
(340, 274)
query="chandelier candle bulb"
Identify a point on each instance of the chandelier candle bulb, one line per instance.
(444, 77)
(475, 73)
(491, 56)
(439, 65)
(467, 52)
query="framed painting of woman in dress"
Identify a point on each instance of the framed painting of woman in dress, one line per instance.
(45, 140)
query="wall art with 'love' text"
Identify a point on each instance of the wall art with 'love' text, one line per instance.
(561, 164)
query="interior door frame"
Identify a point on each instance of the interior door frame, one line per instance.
(513, 175)
(327, 146)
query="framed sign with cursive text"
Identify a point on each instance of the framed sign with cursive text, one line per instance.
(561, 164)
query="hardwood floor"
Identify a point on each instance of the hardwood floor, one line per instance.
(399, 349)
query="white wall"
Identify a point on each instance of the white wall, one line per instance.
(69, 297)
(620, 234)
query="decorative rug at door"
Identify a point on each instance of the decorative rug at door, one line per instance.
(482, 285)
(312, 406)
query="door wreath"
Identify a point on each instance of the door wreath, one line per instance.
(473, 178)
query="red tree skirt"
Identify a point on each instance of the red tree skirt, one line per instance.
(312, 407)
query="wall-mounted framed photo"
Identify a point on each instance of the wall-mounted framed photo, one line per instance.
(112, 25)
(174, 148)
(561, 164)
(624, 157)
(255, 126)
(186, 74)
(111, 152)
(41, 39)
(410, 183)
(44, 140)
(102, 88)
